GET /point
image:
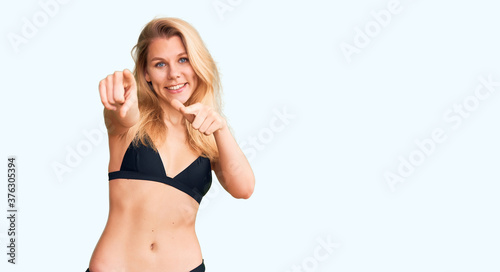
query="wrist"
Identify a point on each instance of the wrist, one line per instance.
(223, 127)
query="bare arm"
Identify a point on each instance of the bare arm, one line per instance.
(233, 169)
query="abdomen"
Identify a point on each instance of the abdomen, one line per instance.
(151, 227)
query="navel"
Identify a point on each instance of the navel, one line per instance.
(153, 245)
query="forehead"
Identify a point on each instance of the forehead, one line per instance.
(166, 47)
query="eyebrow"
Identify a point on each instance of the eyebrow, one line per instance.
(160, 58)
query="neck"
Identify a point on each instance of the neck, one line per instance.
(172, 117)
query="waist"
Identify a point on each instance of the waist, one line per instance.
(133, 248)
(150, 224)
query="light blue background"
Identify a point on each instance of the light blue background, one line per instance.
(320, 175)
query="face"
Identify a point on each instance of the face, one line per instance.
(169, 70)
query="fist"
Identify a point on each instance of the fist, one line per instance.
(118, 91)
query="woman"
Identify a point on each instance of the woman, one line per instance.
(166, 134)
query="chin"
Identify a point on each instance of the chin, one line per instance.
(183, 101)
(181, 98)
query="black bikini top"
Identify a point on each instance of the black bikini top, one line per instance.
(144, 163)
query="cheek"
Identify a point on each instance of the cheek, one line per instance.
(157, 78)
(190, 72)
(193, 77)
(195, 84)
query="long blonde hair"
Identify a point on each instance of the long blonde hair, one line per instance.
(151, 128)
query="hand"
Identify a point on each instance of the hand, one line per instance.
(119, 92)
(202, 117)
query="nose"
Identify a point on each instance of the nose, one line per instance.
(173, 72)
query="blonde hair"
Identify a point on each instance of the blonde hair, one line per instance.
(151, 128)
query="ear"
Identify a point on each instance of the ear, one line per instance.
(148, 79)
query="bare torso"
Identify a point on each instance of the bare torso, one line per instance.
(151, 225)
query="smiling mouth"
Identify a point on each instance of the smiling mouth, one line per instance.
(176, 87)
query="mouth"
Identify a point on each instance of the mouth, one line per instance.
(176, 88)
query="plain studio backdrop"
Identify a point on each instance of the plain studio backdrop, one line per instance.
(372, 128)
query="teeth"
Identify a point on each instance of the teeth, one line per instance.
(176, 87)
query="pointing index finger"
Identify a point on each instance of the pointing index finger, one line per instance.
(128, 78)
(177, 105)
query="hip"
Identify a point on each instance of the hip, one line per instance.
(199, 268)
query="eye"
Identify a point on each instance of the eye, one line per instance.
(183, 60)
(160, 64)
